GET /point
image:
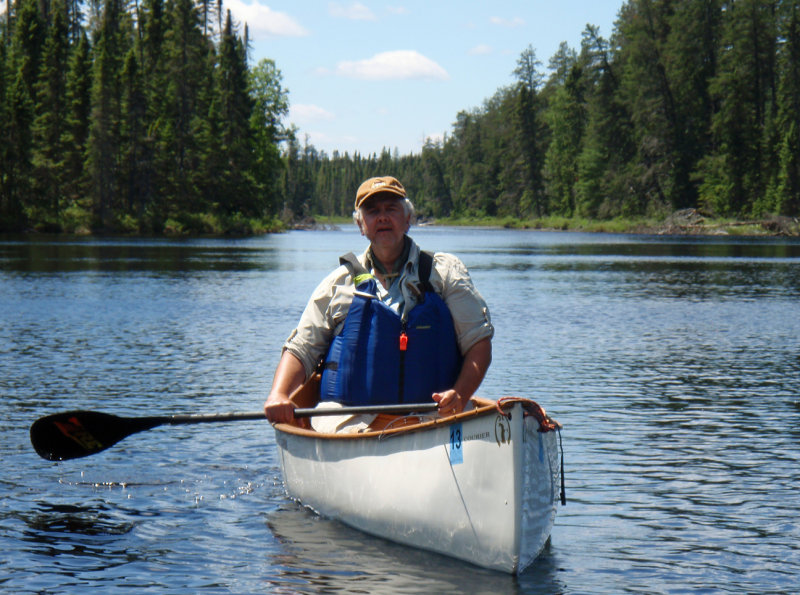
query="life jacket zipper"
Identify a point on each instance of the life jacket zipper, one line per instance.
(403, 345)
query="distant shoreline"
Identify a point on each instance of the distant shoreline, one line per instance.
(687, 222)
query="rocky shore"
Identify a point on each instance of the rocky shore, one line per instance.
(694, 222)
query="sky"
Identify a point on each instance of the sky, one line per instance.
(363, 76)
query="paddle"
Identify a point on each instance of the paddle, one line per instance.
(74, 434)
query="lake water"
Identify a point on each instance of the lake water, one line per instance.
(673, 363)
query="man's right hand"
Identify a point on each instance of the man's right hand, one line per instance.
(289, 376)
(279, 409)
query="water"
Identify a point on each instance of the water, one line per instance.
(674, 365)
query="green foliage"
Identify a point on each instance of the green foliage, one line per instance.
(690, 103)
(75, 134)
(159, 125)
(152, 127)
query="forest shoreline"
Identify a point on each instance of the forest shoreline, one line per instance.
(686, 222)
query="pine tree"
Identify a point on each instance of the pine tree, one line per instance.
(104, 134)
(691, 49)
(25, 59)
(152, 25)
(658, 171)
(135, 153)
(5, 128)
(603, 185)
(232, 108)
(75, 135)
(785, 198)
(5, 132)
(566, 118)
(467, 166)
(49, 123)
(528, 141)
(151, 34)
(183, 115)
(732, 174)
(436, 190)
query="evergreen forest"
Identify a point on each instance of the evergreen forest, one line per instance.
(149, 117)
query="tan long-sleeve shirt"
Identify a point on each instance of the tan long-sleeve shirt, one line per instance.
(327, 308)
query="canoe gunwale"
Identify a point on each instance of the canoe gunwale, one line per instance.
(482, 407)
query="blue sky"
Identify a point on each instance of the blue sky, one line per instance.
(365, 75)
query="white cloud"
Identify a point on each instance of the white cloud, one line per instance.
(401, 64)
(265, 22)
(355, 11)
(303, 113)
(397, 9)
(481, 50)
(502, 22)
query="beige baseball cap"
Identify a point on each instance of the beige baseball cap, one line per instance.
(373, 186)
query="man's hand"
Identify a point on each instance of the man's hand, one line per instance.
(279, 409)
(289, 376)
(450, 402)
(476, 362)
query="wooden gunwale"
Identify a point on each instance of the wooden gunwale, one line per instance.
(482, 407)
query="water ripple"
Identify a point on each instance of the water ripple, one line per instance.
(673, 365)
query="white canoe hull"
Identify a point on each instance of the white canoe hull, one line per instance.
(489, 498)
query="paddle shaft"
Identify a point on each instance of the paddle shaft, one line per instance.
(73, 434)
(368, 409)
(299, 412)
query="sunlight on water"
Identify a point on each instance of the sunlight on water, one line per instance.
(674, 365)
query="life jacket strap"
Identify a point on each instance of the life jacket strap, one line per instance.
(357, 270)
(425, 267)
(361, 274)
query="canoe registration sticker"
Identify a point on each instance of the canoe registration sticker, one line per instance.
(456, 443)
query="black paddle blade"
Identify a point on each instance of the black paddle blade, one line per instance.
(74, 434)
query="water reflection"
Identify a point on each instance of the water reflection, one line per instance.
(71, 541)
(322, 555)
(163, 256)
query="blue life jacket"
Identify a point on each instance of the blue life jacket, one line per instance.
(378, 358)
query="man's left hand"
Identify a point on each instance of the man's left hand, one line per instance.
(450, 402)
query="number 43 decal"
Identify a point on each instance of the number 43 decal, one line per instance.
(456, 451)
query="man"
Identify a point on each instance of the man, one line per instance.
(349, 318)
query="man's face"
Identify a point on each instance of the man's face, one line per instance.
(384, 221)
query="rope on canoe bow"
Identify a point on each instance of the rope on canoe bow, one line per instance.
(546, 423)
(563, 485)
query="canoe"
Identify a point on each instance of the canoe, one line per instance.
(481, 486)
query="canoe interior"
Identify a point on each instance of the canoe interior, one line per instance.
(385, 424)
